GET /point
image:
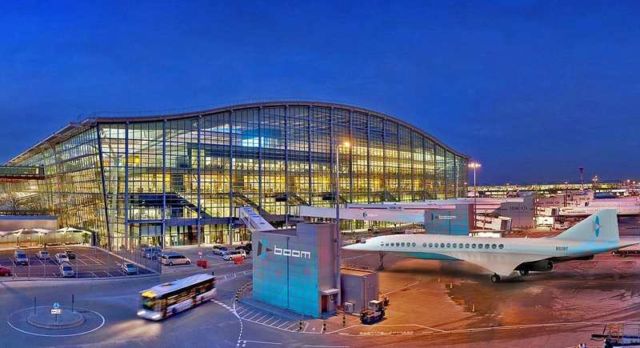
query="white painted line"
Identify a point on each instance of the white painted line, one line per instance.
(262, 342)
(67, 335)
(264, 315)
(255, 315)
(275, 323)
(286, 323)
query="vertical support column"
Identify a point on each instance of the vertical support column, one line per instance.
(446, 195)
(164, 180)
(368, 159)
(286, 165)
(413, 171)
(260, 161)
(126, 185)
(333, 155)
(310, 183)
(198, 173)
(104, 188)
(231, 204)
(398, 159)
(351, 140)
(424, 168)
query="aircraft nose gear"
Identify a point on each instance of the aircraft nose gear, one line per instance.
(495, 278)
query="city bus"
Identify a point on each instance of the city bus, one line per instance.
(174, 297)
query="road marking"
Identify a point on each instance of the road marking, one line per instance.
(255, 315)
(286, 323)
(264, 315)
(262, 342)
(402, 288)
(65, 335)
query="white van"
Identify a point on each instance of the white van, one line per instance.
(21, 258)
(174, 259)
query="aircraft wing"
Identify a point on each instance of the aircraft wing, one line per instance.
(502, 264)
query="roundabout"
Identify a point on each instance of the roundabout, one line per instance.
(40, 321)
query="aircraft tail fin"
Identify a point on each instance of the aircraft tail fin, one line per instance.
(599, 227)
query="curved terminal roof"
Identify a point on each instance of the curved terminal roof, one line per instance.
(77, 127)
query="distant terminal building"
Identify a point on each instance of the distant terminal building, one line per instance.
(179, 179)
(627, 187)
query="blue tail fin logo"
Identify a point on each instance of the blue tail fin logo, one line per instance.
(596, 226)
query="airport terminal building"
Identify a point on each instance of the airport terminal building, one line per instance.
(172, 179)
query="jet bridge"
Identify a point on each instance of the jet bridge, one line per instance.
(253, 220)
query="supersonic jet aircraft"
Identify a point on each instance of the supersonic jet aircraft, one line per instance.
(596, 234)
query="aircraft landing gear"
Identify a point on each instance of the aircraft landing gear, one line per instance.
(523, 272)
(495, 278)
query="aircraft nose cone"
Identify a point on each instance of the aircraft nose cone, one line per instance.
(351, 247)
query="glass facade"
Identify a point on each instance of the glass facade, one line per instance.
(173, 179)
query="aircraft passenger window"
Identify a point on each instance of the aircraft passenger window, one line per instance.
(402, 244)
(466, 246)
(460, 245)
(473, 246)
(397, 244)
(454, 245)
(424, 245)
(501, 246)
(479, 246)
(413, 244)
(493, 246)
(486, 246)
(430, 245)
(442, 245)
(448, 245)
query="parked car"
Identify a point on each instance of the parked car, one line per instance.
(62, 258)
(174, 259)
(21, 258)
(5, 271)
(66, 270)
(246, 247)
(151, 252)
(220, 249)
(129, 268)
(234, 253)
(42, 255)
(70, 254)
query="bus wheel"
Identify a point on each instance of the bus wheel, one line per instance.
(170, 263)
(495, 278)
(188, 262)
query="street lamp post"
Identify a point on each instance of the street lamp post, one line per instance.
(336, 198)
(474, 165)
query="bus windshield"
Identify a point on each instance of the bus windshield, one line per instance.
(148, 303)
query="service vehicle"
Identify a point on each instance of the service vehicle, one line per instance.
(167, 299)
(21, 258)
(373, 314)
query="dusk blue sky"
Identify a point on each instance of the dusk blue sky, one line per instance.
(532, 89)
